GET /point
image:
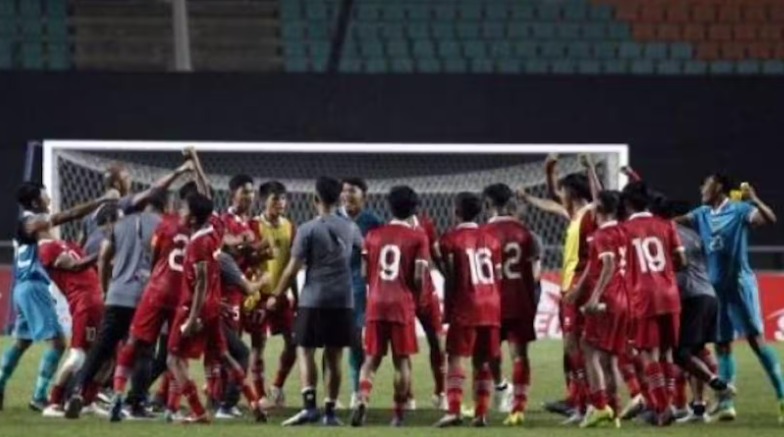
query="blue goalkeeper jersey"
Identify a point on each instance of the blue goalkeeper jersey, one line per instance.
(366, 221)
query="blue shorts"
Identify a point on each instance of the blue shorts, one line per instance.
(36, 317)
(739, 312)
(360, 304)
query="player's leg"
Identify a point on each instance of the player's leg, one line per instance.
(503, 393)
(430, 320)
(258, 340)
(377, 339)
(592, 340)
(308, 336)
(521, 381)
(178, 366)
(402, 386)
(334, 358)
(356, 351)
(11, 357)
(459, 346)
(46, 327)
(648, 342)
(281, 324)
(237, 378)
(487, 348)
(240, 355)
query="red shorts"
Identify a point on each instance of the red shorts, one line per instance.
(209, 340)
(84, 324)
(255, 322)
(149, 319)
(380, 334)
(473, 341)
(281, 321)
(607, 332)
(430, 316)
(660, 331)
(518, 331)
(572, 319)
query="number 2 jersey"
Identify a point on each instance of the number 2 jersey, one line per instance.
(168, 247)
(652, 283)
(392, 253)
(474, 298)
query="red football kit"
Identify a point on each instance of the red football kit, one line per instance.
(234, 224)
(653, 288)
(583, 226)
(203, 247)
(392, 253)
(81, 289)
(518, 291)
(162, 294)
(608, 330)
(473, 304)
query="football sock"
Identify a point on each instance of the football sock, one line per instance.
(657, 386)
(329, 408)
(257, 372)
(726, 366)
(57, 395)
(286, 362)
(365, 388)
(192, 396)
(455, 379)
(629, 373)
(483, 387)
(309, 398)
(707, 357)
(599, 399)
(400, 404)
(355, 359)
(521, 380)
(46, 371)
(770, 362)
(124, 366)
(8, 364)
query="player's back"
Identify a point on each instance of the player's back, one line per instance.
(610, 238)
(131, 265)
(517, 281)
(392, 252)
(169, 242)
(474, 257)
(80, 286)
(652, 281)
(203, 247)
(693, 281)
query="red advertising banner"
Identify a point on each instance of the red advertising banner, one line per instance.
(5, 296)
(772, 300)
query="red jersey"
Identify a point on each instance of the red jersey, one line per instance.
(168, 247)
(203, 247)
(424, 224)
(475, 257)
(392, 253)
(652, 283)
(80, 288)
(609, 239)
(234, 224)
(518, 300)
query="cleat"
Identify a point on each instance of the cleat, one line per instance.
(410, 404)
(37, 405)
(53, 411)
(467, 412)
(204, 419)
(354, 401)
(331, 420)
(236, 412)
(680, 413)
(449, 421)
(724, 411)
(439, 402)
(73, 407)
(617, 423)
(574, 419)
(633, 409)
(277, 397)
(116, 413)
(304, 417)
(515, 418)
(224, 413)
(172, 416)
(502, 399)
(479, 422)
(728, 393)
(139, 413)
(397, 422)
(595, 418)
(693, 418)
(561, 407)
(158, 404)
(258, 413)
(105, 396)
(359, 415)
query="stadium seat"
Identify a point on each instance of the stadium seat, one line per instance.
(445, 12)
(563, 66)
(299, 49)
(59, 57)
(509, 66)
(642, 66)
(30, 8)
(481, 66)
(423, 49)
(392, 12)
(677, 13)
(402, 66)
(416, 12)
(523, 12)
(577, 12)
(619, 31)
(391, 30)
(7, 27)
(293, 30)
(630, 50)
(57, 9)
(748, 67)
(655, 51)
(543, 31)
(526, 49)
(364, 31)
(501, 49)
(601, 13)
(315, 11)
(721, 67)
(605, 50)
(457, 65)
(398, 49)
(443, 31)
(669, 67)
(376, 65)
(682, 51)
(669, 33)
(552, 50)
(548, 11)
(418, 30)
(7, 8)
(56, 30)
(32, 56)
(32, 29)
(290, 10)
(467, 30)
(695, 67)
(367, 12)
(615, 67)
(470, 12)
(535, 67)
(593, 31)
(499, 12)
(448, 49)
(589, 67)
(578, 50)
(475, 49)
(518, 30)
(773, 67)
(347, 65)
(428, 65)
(493, 30)
(568, 31)
(6, 58)
(371, 49)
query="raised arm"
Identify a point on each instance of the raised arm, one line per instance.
(631, 173)
(161, 184)
(42, 221)
(593, 178)
(202, 184)
(763, 214)
(546, 205)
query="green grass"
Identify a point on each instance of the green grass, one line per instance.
(755, 404)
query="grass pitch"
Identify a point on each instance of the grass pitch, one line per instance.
(757, 409)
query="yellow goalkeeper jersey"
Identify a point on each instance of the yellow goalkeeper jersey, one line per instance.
(280, 236)
(575, 251)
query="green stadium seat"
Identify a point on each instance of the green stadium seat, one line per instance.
(32, 56)
(642, 66)
(59, 57)
(367, 11)
(593, 31)
(417, 12)
(319, 30)
(721, 67)
(543, 31)
(749, 67)
(445, 12)
(350, 49)
(391, 30)
(7, 8)
(363, 31)
(319, 49)
(553, 50)
(398, 49)
(498, 12)
(443, 30)
(550, 11)
(630, 50)
(468, 30)
(567, 31)
(481, 66)
(655, 51)
(619, 31)
(289, 10)
(564, 66)
(535, 67)
(448, 49)
(56, 30)
(589, 67)
(605, 50)
(7, 27)
(615, 67)
(681, 51)
(319, 64)
(669, 67)
(402, 66)
(470, 12)
(6, 60)
(30, 8)
(773, 67)
(371, 49)
(475, 49)
(423, 49)
(509, 66)
(601, 13)
(518, 30)
(376, 65)
(493, 30)
(298, 65)
(418, 30)
(298, 49)
(501, 49)
(695, 67)
(59, 8)
(523, 12)
(294, 30)
(32, 29)
(457, 65)
(575, 11)
(526, 49)
(349, 65)
(428, 65)
(393, 12)
(315, 11)
(578, 50)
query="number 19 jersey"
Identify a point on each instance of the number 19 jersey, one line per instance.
(475, 257)
(168, 248)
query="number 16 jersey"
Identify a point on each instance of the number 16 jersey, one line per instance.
(168, 248)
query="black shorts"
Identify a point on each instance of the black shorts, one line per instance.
(324, 327)
(698, 321)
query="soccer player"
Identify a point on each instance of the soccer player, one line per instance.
(606, 311)
(724, 226)
(325, 315)
(471, 260)
(76, 276)
(197, 326)
(654, 296)
(518, 300)
(278, 231)
(396, 260)
(353, 197)
(36, 318)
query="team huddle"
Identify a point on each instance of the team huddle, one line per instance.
(648, 283)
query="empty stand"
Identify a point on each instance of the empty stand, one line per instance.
(34, 35)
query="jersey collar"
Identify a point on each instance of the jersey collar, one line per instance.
(400, 223)
(467, 225)
(501, 218)
(643, 214)
(721, 206)
(202, 232)
(609, 224)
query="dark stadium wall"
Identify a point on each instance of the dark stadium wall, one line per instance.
(679, 129)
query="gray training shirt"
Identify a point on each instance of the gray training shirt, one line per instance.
(94, 233)
(325, 245)
(132, 258)
(694, 280)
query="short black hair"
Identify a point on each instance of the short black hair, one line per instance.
(238, 181)
(578, 185)
(609, 203)
(29, 193)
(270, 188)
(403, 201)
(659, 204)
(200, 207)
(357, 182)
(468, 206)
(636, 195)
(158, 199)
(726, 182)
(499, 195)
(328, 190)
(108, 213)
(187, 189)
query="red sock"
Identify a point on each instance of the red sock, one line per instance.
(124, 366)
(599, 399)
(707, 357)
(365, 387)
(437, 362)
(483, 387)
(192, 396)
(629, 373)
(670, 372)
(91, 392)
(286, 363)
(521, 381)
(163, 388)
(454, 389)
(238, 377)
(257, 372)
(214, 382)
(582, 391)
(679, 396)
(57, 394)
(657, 386)
(175, 394)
